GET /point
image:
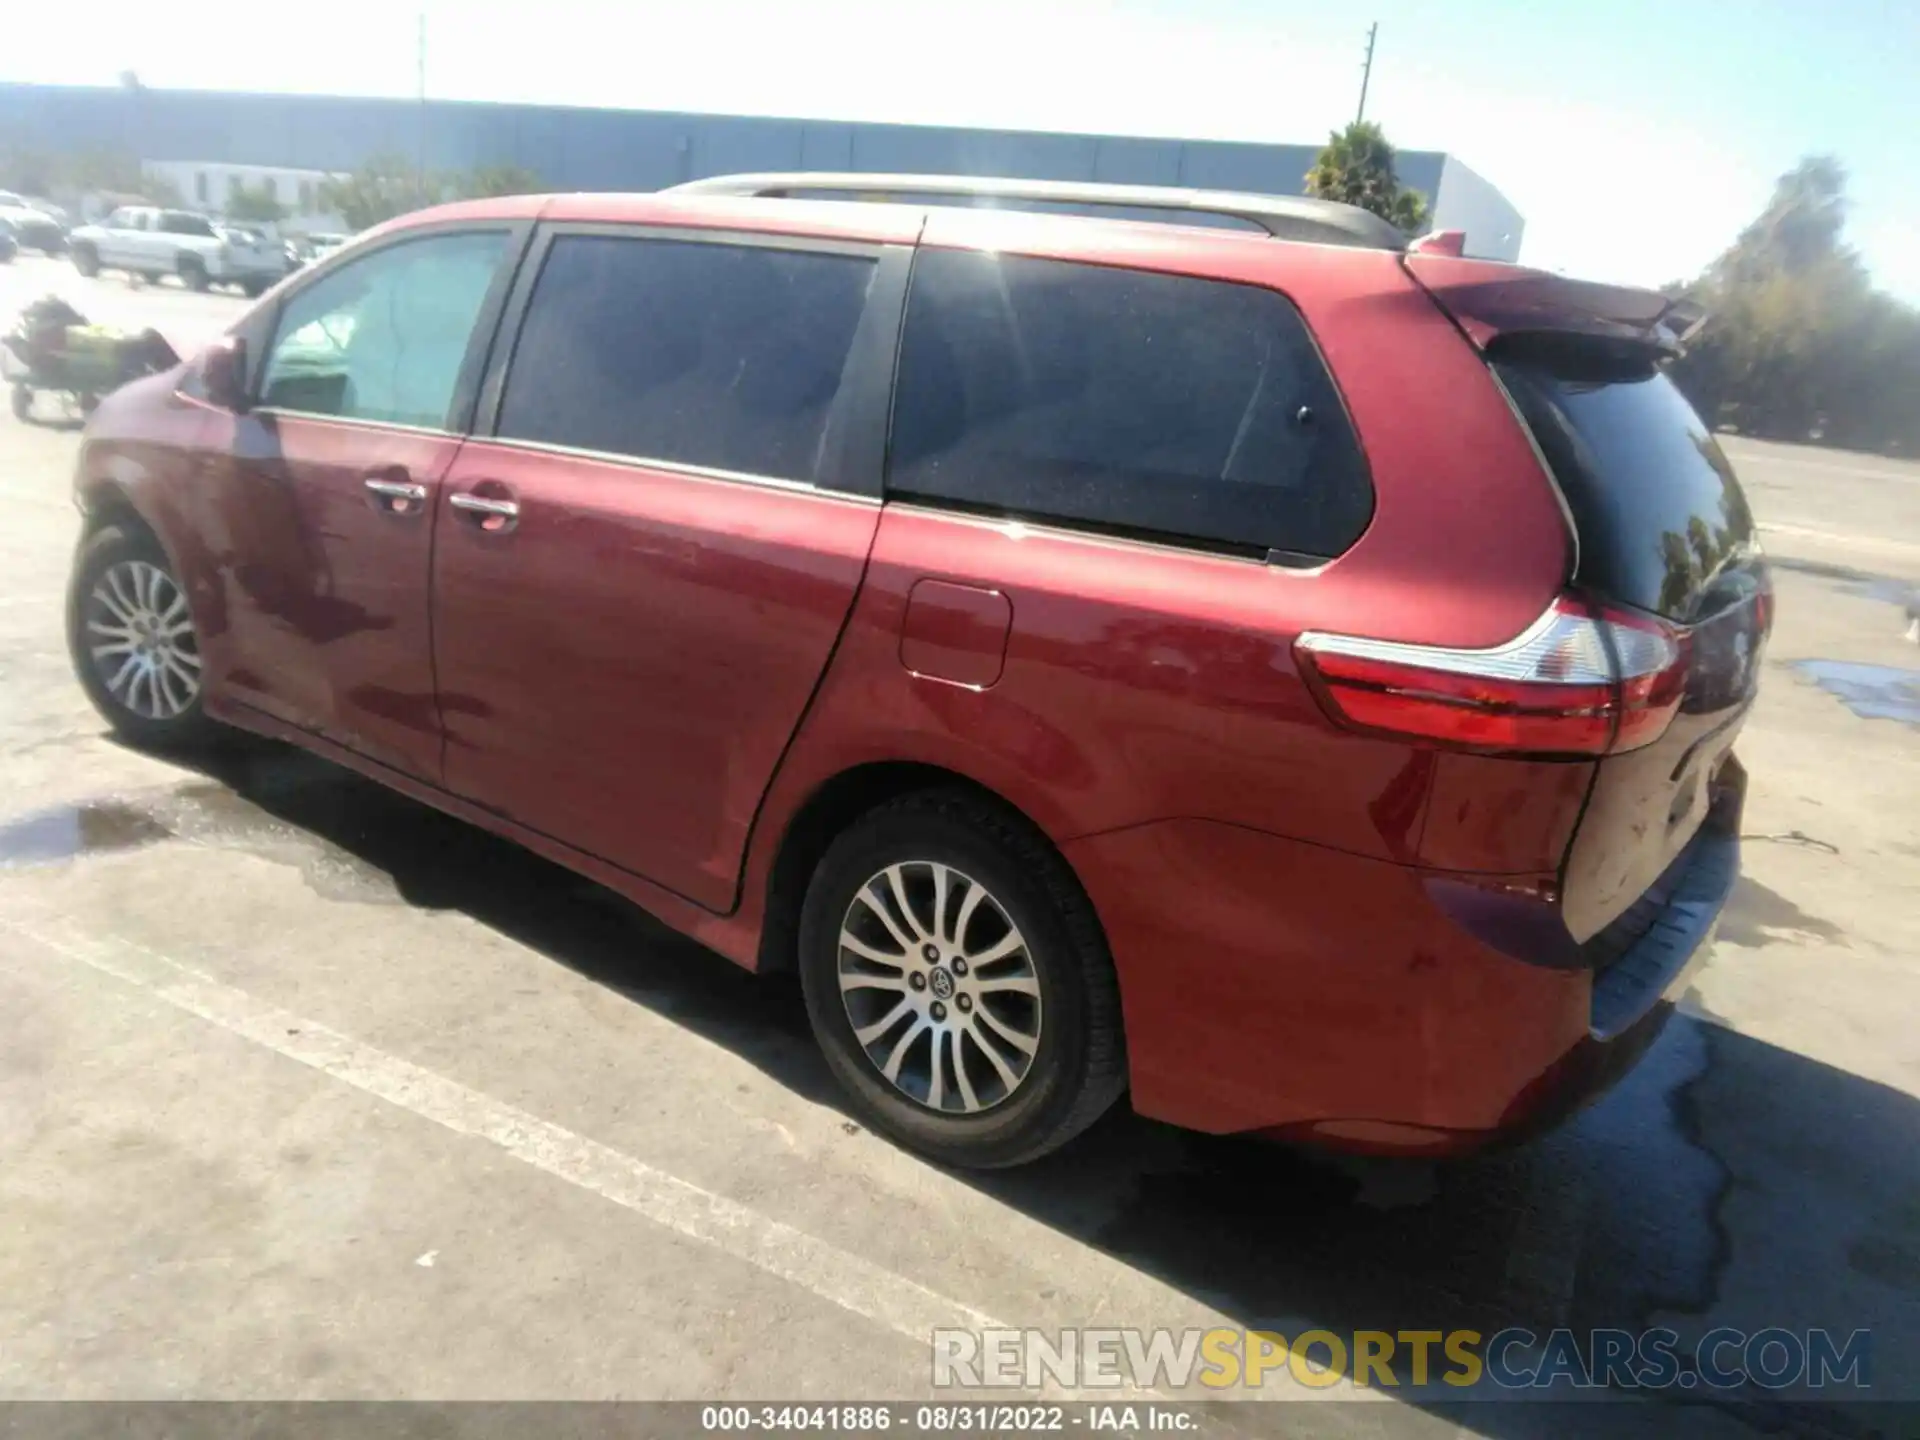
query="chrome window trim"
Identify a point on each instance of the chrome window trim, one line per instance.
(405, 429)
(1011, 525)
(677, 467)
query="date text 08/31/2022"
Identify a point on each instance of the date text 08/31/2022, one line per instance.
(983, 1418)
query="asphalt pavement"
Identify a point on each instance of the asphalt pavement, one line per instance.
(308, 1092)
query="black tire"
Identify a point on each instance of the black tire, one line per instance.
(253, 289)
(22, 400)
(1078, 1067)
(100, 551)
(193, 272)
(86, 259)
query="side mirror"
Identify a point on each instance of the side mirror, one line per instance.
(223, 374)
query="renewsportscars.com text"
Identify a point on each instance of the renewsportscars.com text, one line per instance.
(1510, 1359)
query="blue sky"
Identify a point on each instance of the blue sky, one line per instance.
(1636, 136)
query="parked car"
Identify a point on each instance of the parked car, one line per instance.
(32, 225)
(309, 249)
(1295, 682)
(200, 252)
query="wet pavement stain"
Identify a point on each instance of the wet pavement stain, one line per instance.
(1893, 592)
(1864, 583)
(355, 841)
(1757, 915)
(1873, 692)
(1653, 1239)
(315, 840)
(1604, 1222)
(72, 832)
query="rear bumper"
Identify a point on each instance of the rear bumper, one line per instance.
(1280, 987)
(1693, 892)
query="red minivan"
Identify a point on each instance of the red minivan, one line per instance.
(1207, 647)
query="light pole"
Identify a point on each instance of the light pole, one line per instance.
(420, 148)
(1366, 72)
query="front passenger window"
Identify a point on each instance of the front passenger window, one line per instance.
(384, 338)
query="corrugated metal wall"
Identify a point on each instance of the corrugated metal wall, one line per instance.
(572, 149)
(615, 149)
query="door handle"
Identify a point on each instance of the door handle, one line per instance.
(397, 489)
(485, 505)
(394, 497)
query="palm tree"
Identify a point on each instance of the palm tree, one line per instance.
(1356, 167)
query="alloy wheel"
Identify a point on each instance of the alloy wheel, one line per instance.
(139, 638)
(939, 987)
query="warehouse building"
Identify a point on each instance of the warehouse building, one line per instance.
(229, 135)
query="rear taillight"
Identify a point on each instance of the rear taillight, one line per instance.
(1578, 681)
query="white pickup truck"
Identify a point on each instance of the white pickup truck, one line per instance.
(198, 251)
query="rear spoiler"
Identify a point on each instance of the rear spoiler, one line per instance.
(1490, 300)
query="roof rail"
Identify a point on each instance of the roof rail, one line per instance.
(1288, 217)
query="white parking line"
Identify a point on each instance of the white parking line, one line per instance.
(1835, 537)
(1861, 472)
(868, 1290)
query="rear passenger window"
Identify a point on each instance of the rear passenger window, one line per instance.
(1123, 400)
(723, 356)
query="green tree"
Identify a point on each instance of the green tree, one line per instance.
(487, 181)
(257, 203)
(384, 187)
(1799, 345)
(1799, 231)
(1356, 167)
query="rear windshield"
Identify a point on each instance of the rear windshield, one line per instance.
(1655, 503)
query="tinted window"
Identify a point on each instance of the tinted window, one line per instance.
(1122, 399)
(176, 223)
(384, 337)
(727, 356)
(1654, 501)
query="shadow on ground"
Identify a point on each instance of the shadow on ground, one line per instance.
(1725, 1181)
